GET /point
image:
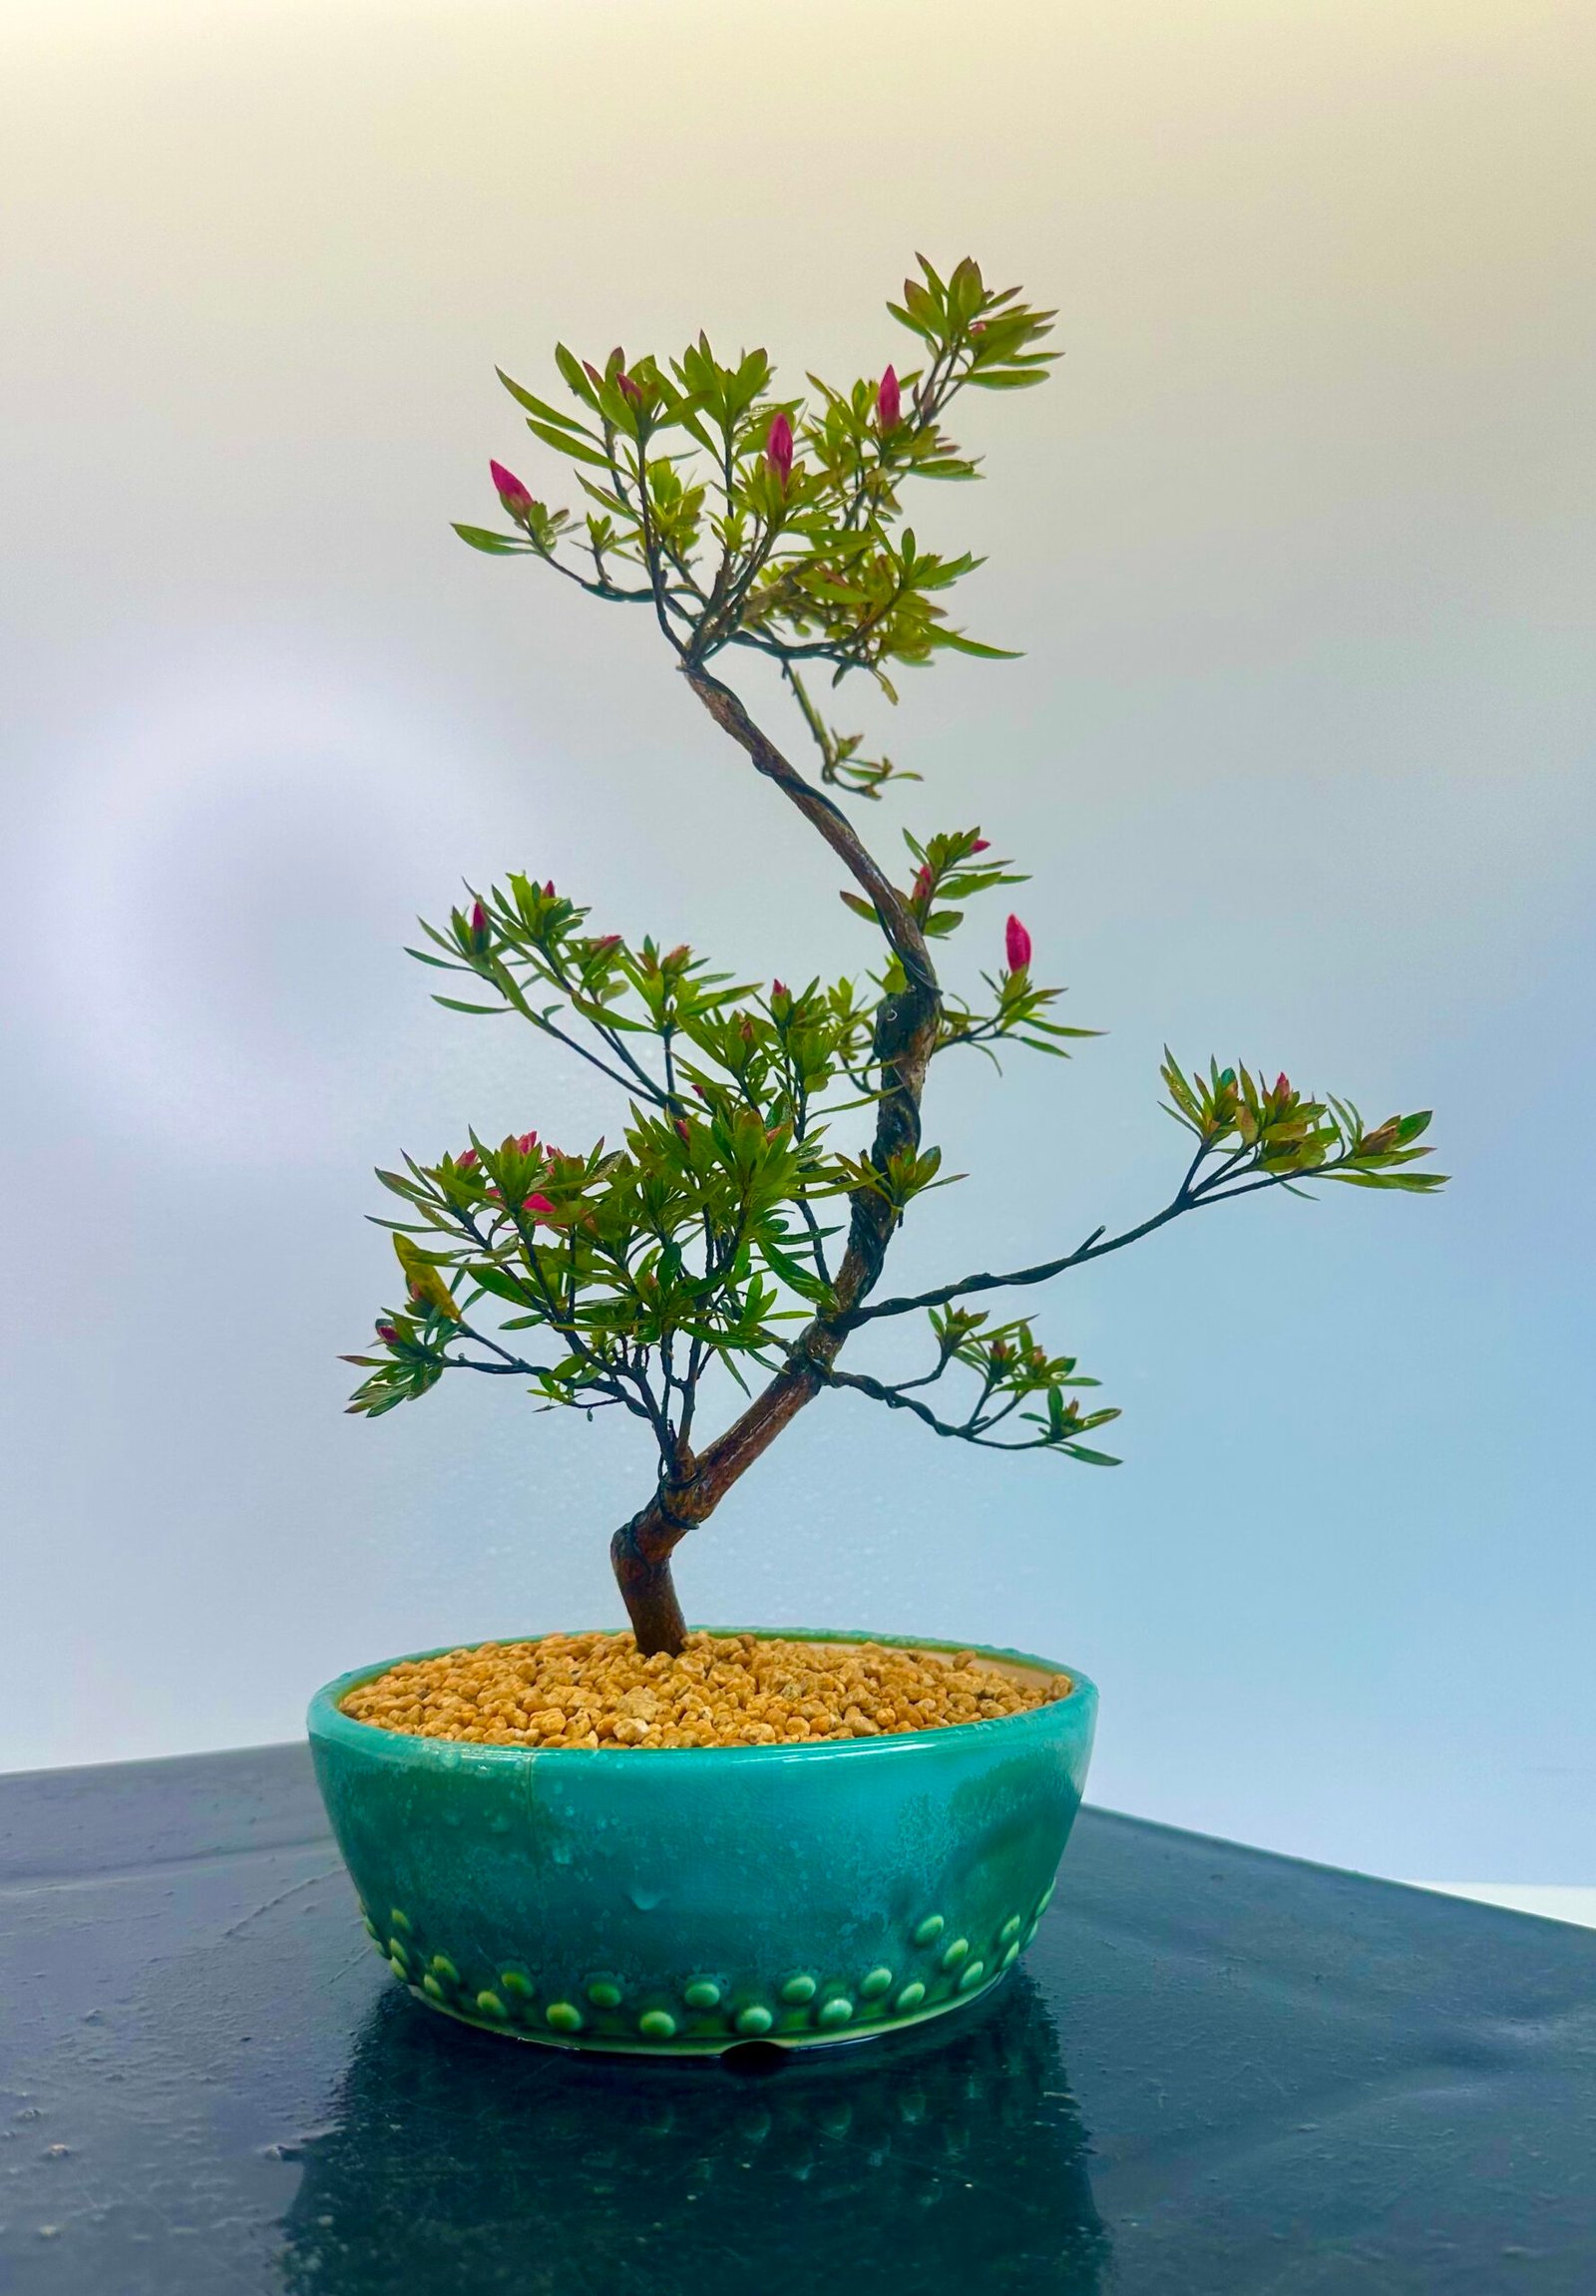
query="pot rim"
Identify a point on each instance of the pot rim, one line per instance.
(327, 1720)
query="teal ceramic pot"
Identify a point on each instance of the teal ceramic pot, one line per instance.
(689, 1900)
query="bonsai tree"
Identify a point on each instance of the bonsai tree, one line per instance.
(740, 1223)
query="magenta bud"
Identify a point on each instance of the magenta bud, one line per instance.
(981, 845)
(889, 401)
(628, 390)
(606, 941)
(779, 447)
(923, 881)
(548, 889)
(1282, 1086)
(683, 1131)
(779, 989)
(526, 1143)
(388, 1334)
(1017, 945)
(466, 1158)
(537, 1204)
(512, 493)
(478, 918)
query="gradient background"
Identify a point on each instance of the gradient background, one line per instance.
(1298, 546)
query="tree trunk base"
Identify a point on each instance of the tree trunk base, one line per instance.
(649, 1595)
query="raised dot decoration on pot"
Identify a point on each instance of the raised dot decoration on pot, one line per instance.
(432, 1989)
(970, 1978)
(562, 2017)
(754, 2020)
(1010, 1955)
(952, 1953)
(603, 1993)
(1011, 1928)
(703, 1992)
(444, 1969)
(657, 2025)
(798, 1989)
(876, 1983)
(910, 1999)
(930, 1929)
(517, 1984)
(833, 2014)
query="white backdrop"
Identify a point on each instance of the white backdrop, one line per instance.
(1297, 544)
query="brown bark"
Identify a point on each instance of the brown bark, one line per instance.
(906, 1031)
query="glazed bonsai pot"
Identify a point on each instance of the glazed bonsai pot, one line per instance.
(687, 1901)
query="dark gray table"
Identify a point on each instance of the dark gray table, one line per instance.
(1215, 2070)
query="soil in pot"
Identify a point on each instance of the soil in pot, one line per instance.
(597, 1689)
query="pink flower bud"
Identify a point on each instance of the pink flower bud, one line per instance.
(889, 401)
(526, 1143)
(388, 1334)
(629, 389)
(465, 1160)
(537, 1204)
(678, 955)
(478, 918)
(779, 989)
(921, 889)
(683, 1131)
(607, 942)
(548, 889)
(779, 447)
(1017, 945)
(1282, 1086)
(512, 493)
(590, 371)
(981, 845)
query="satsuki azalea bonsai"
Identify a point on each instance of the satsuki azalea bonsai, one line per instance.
(771, 1137)
(832, 1834)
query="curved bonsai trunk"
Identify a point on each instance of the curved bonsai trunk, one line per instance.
(906, 1032)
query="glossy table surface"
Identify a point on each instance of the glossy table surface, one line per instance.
(1215, 2070)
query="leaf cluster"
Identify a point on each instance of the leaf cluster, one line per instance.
(748, 519)
(1248, 1129)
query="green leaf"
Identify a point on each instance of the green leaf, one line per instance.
(574, 374)
(1009, 379)
(962, 644)
(501, 1283)
(577, 449)
(495, 545)
(541, 407)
